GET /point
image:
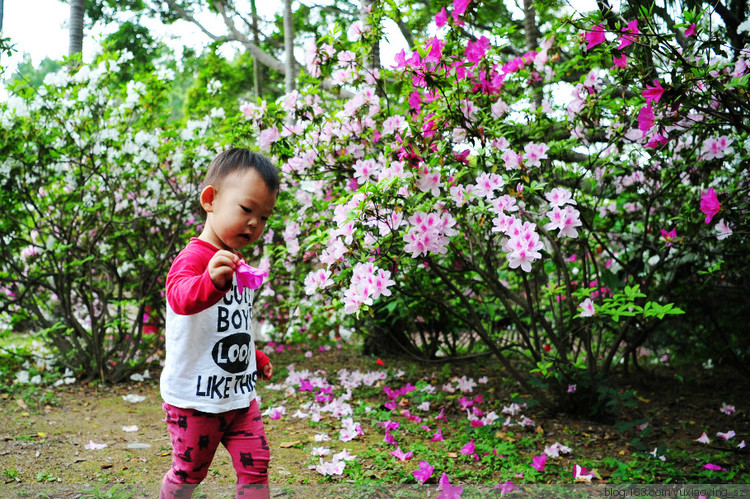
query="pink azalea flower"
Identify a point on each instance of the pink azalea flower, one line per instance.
(653, 93)
(506, 488)
(438, 436)
(448, 491)
(690, 31)
(468, 448)
(669, 237)
(587, 308)
(424, 472)
(645, 118)
(727, 409)
(631, 34)
(539, 462)
(703, 439)
(460, 6)
(594, 37)
(710, 204)
(726, 436)
(401, 455)
(441, 18)
(723, 231)
(741, 445)
(249, 277)
(620, 62)
(581, 474)
(713, 467)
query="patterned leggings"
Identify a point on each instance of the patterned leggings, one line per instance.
(195, 437)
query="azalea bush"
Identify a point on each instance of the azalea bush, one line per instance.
(536, 206)
(98, 192)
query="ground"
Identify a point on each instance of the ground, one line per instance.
(43, 436)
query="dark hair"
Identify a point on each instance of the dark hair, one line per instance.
(239, 159)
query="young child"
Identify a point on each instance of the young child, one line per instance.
(212, 366)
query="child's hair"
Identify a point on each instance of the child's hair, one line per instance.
(240, 158)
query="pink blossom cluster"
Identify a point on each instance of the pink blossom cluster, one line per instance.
(368, 283)
(429, 233)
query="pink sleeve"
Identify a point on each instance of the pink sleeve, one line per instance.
(261, 359)
(189, 287)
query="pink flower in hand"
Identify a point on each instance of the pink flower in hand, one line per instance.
(710, 204)
(249, 277)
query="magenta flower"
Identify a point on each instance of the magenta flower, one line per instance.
(460, 6)
(506, 487)
(669, 237)
(645, 118)
(713, 467)
(448, 491)
(581, 474)
(539, 462)
(249, 277)
(726, 408)
(424, 472)
(631, 34)
(401, 455)
(468, 448)
(441, 18)
(620, 62)
(690, 31)
(438, 436)
(710, 204)
(594, 37)
(653, 93)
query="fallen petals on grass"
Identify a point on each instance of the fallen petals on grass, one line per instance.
(556, 449)
(539, 462)
(727, 409)
(713, 467)
(581, 474)
(703, 439)
(726, 436)
(94, 446)
(133, 398)
(424, 472)
(468, 449)
(401, 455)
(506, 488)
(448, 491)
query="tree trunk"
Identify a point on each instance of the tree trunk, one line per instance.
(532, 38)
(257, 84)
(77, 11)
(289, 47)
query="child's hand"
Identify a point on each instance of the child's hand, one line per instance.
(267, 371)
(221, 268)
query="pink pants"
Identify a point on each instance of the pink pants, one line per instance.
(195, 437)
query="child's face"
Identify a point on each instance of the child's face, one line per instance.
(237, 211)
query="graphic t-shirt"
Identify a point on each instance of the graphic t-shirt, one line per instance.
(211, 358)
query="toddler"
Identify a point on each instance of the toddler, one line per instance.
(211, 368)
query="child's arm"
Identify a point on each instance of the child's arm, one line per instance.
(263, 364)
(194, 284)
